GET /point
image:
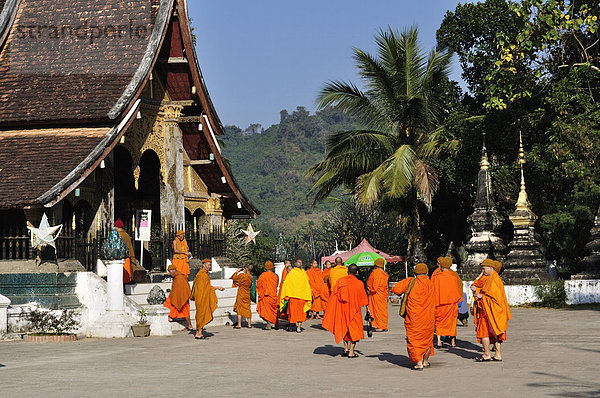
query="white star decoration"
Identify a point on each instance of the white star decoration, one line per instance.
(44, 235)
(250, 235)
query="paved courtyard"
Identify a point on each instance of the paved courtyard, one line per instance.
(549, 353)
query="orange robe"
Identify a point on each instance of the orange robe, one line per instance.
(326, 272)
(282, 314)
(420, 316)
(203, 294)
(336, 273)
(129, 265)
(492, 312)
(243, 281)
(343, 316)
(447, 297)
(180, 261)
(178, 301)
(296, 312)
(266, 289)
(315, 278)
(478, 309)
(378, 297)
(296, 289)
(326, 291)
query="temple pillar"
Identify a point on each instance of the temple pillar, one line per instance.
(172, 191)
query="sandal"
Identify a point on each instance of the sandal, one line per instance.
(482, 359)
(415, 368)
(426, 365)
(237, 327)
(200, 338)
(355, 355)
(345, 354)
(496, 360)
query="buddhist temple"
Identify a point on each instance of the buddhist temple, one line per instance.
(104, 111)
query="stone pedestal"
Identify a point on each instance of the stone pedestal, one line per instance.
(4, 303)
(158, 318)
(591, 262)
(524, 263)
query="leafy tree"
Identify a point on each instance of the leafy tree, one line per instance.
(394, 153)
(470, 32)
(553, 35)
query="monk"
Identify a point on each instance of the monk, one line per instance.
(296, 291)
(283, 314)
(242, 279)
(181, 253)
(343, 317)
(326, 291)
(266, 289)
(178, 301)
(492, 312)
(378, 296)
(129, 265)
(420, 316)
(203, 294)
(315, 277)
(337, 272)
(448, 293)
(326, 271)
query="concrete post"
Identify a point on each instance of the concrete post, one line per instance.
(4, 303)
(115, 285)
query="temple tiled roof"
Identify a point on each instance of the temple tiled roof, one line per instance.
(33, 161)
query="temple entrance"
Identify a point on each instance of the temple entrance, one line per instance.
(125, 193)
(196, 222)
(148, 193)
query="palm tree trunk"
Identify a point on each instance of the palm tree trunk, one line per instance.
(415, 250)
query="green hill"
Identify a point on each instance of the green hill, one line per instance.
(270, 166)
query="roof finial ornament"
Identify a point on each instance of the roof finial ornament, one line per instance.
(522, 201)
(484, 163)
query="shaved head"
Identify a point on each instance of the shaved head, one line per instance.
(338, 261)
(353, 269)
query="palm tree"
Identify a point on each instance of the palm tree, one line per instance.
(393, 155)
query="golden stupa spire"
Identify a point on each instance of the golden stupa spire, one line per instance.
(484, 163)
(522, 201)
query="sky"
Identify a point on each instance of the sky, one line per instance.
(259, 57)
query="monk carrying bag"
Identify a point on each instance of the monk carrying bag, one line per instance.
(402, 312)
(369, 320)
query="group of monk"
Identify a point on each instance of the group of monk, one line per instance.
(429, 304)
(431, 309)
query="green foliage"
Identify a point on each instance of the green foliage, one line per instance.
(553, 35)
(271, 166)
(143, 320)
(236, 250)
(45, 321)
(551, 294)
(393, 154)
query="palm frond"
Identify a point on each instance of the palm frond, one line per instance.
(426, 182)
(399, 171)
(348, 98)
(368, 186)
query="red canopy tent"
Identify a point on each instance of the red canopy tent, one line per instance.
(363, 246)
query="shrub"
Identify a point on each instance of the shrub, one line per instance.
(552, 294)
(53, 322)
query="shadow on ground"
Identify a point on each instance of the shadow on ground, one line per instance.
(394, 359)
(567, 387)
